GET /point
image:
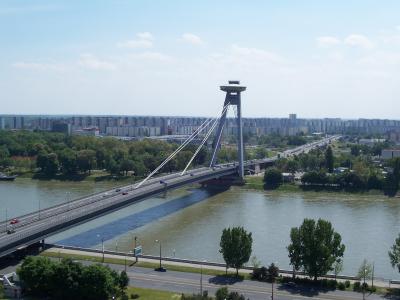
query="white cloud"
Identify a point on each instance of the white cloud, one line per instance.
(145, 36)
(255, 54)
(136, 44)
(144, 41)
(358, 40)
(192, 39)
(152, 56)
(39, 66)
(90, 61)
(327, 41)
(398, 27)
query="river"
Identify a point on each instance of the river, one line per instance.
(189, 222)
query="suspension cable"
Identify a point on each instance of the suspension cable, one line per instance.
(204, 140)
(183, 145)
(217, 141)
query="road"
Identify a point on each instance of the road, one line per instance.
(189, 283)
(38, 225)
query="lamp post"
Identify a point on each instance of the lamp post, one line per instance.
(365, 272)
(161, 269)
(273, 281)
(39, 209)
(102, 246)
(67, 199)
(6, 219)
(201, 277)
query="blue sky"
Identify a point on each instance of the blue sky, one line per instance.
(313, 58)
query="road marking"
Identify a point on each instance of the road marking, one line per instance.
(250, 289)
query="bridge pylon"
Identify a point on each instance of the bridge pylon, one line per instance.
(233, 92)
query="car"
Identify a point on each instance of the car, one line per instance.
(10, 230)
(14, 221)
(117, 190)
(105, 195)
(191, 174)
(125, 193)
(290, 284)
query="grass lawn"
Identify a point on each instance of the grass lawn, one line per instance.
(149, 265)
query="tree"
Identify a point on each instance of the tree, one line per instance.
(68, 161)
(272, 178)
(126, 165)
(292, 166)
(98, 283)
(69, 280)
(394, 254)
(329, 159)
(295, 250)
(316, 246)
(48, 163)
(222, 293)
(123, 282)
(365, 273)
(86, 160)
(273, 272)
(236, 247)
(365, 270)
(337, 267)
(65, 280)
(36, 273)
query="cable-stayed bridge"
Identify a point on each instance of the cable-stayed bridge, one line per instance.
(36, 226)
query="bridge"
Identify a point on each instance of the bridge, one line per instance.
(36, 226)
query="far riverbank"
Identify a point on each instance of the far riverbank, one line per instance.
(256, 182)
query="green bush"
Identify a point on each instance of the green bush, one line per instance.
(347, 284)
(341, 286)
(357, 286)
(372, 289)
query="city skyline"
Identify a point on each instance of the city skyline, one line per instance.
(337, 60)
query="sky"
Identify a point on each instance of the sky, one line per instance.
(315, 58)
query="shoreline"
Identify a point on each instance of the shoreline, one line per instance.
(255, 183)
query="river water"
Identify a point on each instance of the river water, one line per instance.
(189, 222)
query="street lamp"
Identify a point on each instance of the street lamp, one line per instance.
(6, 219)
(201, 276)
(39, 209)
(102, 245)
(160, 269)
(273, 281)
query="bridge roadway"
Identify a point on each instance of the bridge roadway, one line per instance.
(38, 225)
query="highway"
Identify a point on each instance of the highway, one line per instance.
(36, 226)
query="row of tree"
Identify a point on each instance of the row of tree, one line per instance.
(54, 153)
(67, 280)
(315, 247)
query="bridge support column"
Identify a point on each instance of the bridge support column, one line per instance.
(233, 92)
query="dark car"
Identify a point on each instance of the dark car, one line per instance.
(118, 190)
(125, 193)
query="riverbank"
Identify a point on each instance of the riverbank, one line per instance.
(255, 182)
(94, 176)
